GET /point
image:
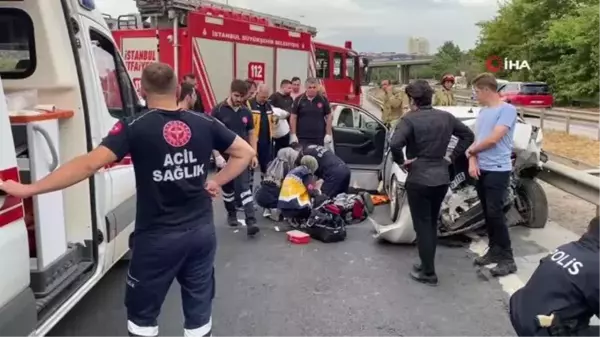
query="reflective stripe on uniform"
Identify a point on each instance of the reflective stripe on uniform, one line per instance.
(147, 331)
(246, 197)
(202, 331)
(228, 197)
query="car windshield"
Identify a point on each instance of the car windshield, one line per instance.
(535, 89)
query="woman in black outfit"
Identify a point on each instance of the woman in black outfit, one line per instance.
(426, 133)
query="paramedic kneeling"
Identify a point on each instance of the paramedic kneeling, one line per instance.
(333, 170)
(562, 294)
(174, 233)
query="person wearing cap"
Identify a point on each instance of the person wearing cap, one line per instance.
(426, 133)
(395, 103)
(445, 96)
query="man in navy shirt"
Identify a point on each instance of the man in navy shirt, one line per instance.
(236, 116)
(491, 164)
(174, 232)
(311, 118)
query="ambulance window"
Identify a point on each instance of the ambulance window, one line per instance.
(119, 95)
(322, 57)
(17, 45)
(338, 65)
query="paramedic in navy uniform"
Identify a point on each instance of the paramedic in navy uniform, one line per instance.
(174, 230)
(311, 118)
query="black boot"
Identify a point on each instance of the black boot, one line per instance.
(506, 265)
(429, 279)
(251, 228)
(492, 255)
(232, 220)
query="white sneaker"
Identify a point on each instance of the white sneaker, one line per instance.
(267, 213)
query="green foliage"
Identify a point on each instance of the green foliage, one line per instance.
(559, 39)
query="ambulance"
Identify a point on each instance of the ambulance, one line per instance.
(63, 86)
(218, 43)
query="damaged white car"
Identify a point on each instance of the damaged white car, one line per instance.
(526, 203)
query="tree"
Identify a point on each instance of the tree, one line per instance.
(558, 38)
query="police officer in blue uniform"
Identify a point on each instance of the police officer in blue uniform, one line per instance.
(334, 172)
(174, 233)
(236, 116)
(562, 294)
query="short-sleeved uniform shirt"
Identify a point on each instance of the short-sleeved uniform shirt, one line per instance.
(170, 151)
(496, 158)
(238, 120)
(311, 116)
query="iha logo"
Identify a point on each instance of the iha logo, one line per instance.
(495, 64)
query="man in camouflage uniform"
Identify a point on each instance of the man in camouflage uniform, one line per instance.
(445, 96)
(395, 103)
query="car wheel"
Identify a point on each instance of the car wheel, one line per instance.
(535, 203)
(394, 199)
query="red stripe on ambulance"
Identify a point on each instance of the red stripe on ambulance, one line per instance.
(11, 209)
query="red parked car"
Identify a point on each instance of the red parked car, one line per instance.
(529, 94)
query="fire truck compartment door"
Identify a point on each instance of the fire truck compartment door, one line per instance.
(255, 62)
(291, 63)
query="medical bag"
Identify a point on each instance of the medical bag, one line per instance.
(326, 223)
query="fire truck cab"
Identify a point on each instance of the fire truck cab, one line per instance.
(219, 43)
(63, 87)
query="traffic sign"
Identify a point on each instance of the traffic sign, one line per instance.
(256, 71)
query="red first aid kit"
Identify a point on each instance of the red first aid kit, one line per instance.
(298, 237)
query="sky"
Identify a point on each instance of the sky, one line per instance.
(371, 25)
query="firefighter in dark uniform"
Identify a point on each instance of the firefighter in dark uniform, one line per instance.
(174, 233)
(238, 118)
(562, 294)
(332, 170)
(262, 115)
(311, 118)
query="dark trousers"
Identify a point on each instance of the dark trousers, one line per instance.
(336, 182)
(296, 214)
(239, 188)
(311, 141)
(280, 143)
(425, 203)
(265, 155)
(157, 259)
(492, 188)
(267, 195)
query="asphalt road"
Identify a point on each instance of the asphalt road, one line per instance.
(268, 287)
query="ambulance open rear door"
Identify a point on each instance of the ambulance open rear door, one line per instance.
(18, 315)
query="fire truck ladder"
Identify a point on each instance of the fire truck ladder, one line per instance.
(162, 7)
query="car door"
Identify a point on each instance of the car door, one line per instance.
(359, 137)
(359, 140)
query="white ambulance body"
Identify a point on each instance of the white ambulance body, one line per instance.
(64, 85)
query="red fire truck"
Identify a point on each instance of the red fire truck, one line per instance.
(218, 43)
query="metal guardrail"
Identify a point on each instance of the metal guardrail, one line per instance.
(568, 116)
(582, 184)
